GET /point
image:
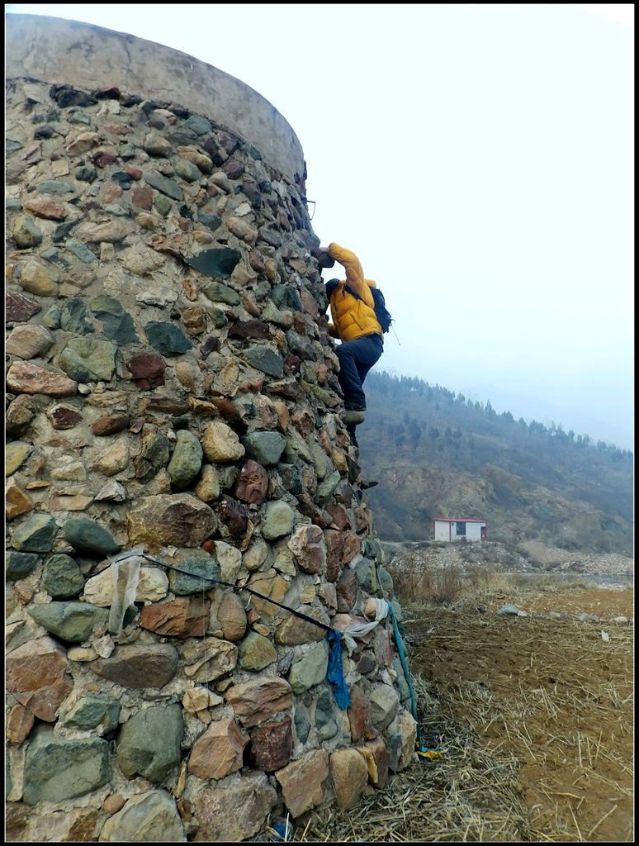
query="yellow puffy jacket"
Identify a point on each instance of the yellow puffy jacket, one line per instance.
(352, 318)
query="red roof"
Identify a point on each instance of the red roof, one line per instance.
(459, 519)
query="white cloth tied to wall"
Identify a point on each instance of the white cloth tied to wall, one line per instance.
(125, 568)
(357, 630)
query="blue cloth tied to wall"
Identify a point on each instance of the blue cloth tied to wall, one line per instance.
(335, 673)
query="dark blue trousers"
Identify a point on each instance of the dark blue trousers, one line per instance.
(355, 360)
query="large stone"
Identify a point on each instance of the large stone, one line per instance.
(149, 743)
(350, 776)
(278, 520)
(265, 447)
(88, 359)
(70, 621)
(219, 751)
(30, 341)
(310, 670)
(163, 520)
(232, 617)
(402, 733)
(252, 483)
(152, 585)
(18, 565)
(220, 443)
(16, 454)
(58, 768)
(35, 534)
(256, 652)
(384, 705)
(208, 659)
(139, 666)
(89, 537)
(182, 617)
(93, 711)
(36, 675)
(294, 630)
(147, 818)
(256, 701)
(28, 378)
(309, 548)
(236, 812)
(376, 756)
(186, 460)
(16, 500)
(302, 782)
(202, 566)
(271, 745)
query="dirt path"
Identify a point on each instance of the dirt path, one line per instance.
(549, 689)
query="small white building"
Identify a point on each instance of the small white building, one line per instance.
(459, 528)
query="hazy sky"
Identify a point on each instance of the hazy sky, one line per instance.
(479, 159)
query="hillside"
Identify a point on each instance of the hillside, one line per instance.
(437, 453)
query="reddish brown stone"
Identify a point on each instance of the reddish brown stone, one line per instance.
(271, 746)
(64, 417)
(352, 547)
(234, 516)
(142, 197)
(339, 515)
(346, 590)
(219, 751)
(147, 370)
(17, 818)
(334, 553)
(110, 424)
(43, 207)
(103, 158)
(252, 484)
(358, 715)
(19, 309)
(302, 782)
(233, 169)
(182, 617)
(255, 701)
(36, 675)
(28, 378)
(133, 172)
(309, 304)
(382, 647)
(83, 829)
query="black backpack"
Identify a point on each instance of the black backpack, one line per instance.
(382, 314)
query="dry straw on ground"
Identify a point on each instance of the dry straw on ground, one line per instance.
(469, 794)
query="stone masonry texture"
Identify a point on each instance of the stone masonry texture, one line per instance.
(171, 386)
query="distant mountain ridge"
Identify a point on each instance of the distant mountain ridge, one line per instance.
(436, 453)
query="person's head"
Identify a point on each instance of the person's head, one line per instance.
(330, 287)
(324, 259)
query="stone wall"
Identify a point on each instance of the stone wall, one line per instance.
(171, 387)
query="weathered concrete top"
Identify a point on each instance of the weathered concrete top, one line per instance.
(69, 52)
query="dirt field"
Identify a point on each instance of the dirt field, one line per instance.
(532, 714)
(551, 692)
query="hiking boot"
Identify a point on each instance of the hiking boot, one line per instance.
(354, 416)
(365, 485)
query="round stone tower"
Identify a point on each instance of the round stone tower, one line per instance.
(199, 621)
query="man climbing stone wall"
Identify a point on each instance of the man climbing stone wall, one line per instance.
(172, 388)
